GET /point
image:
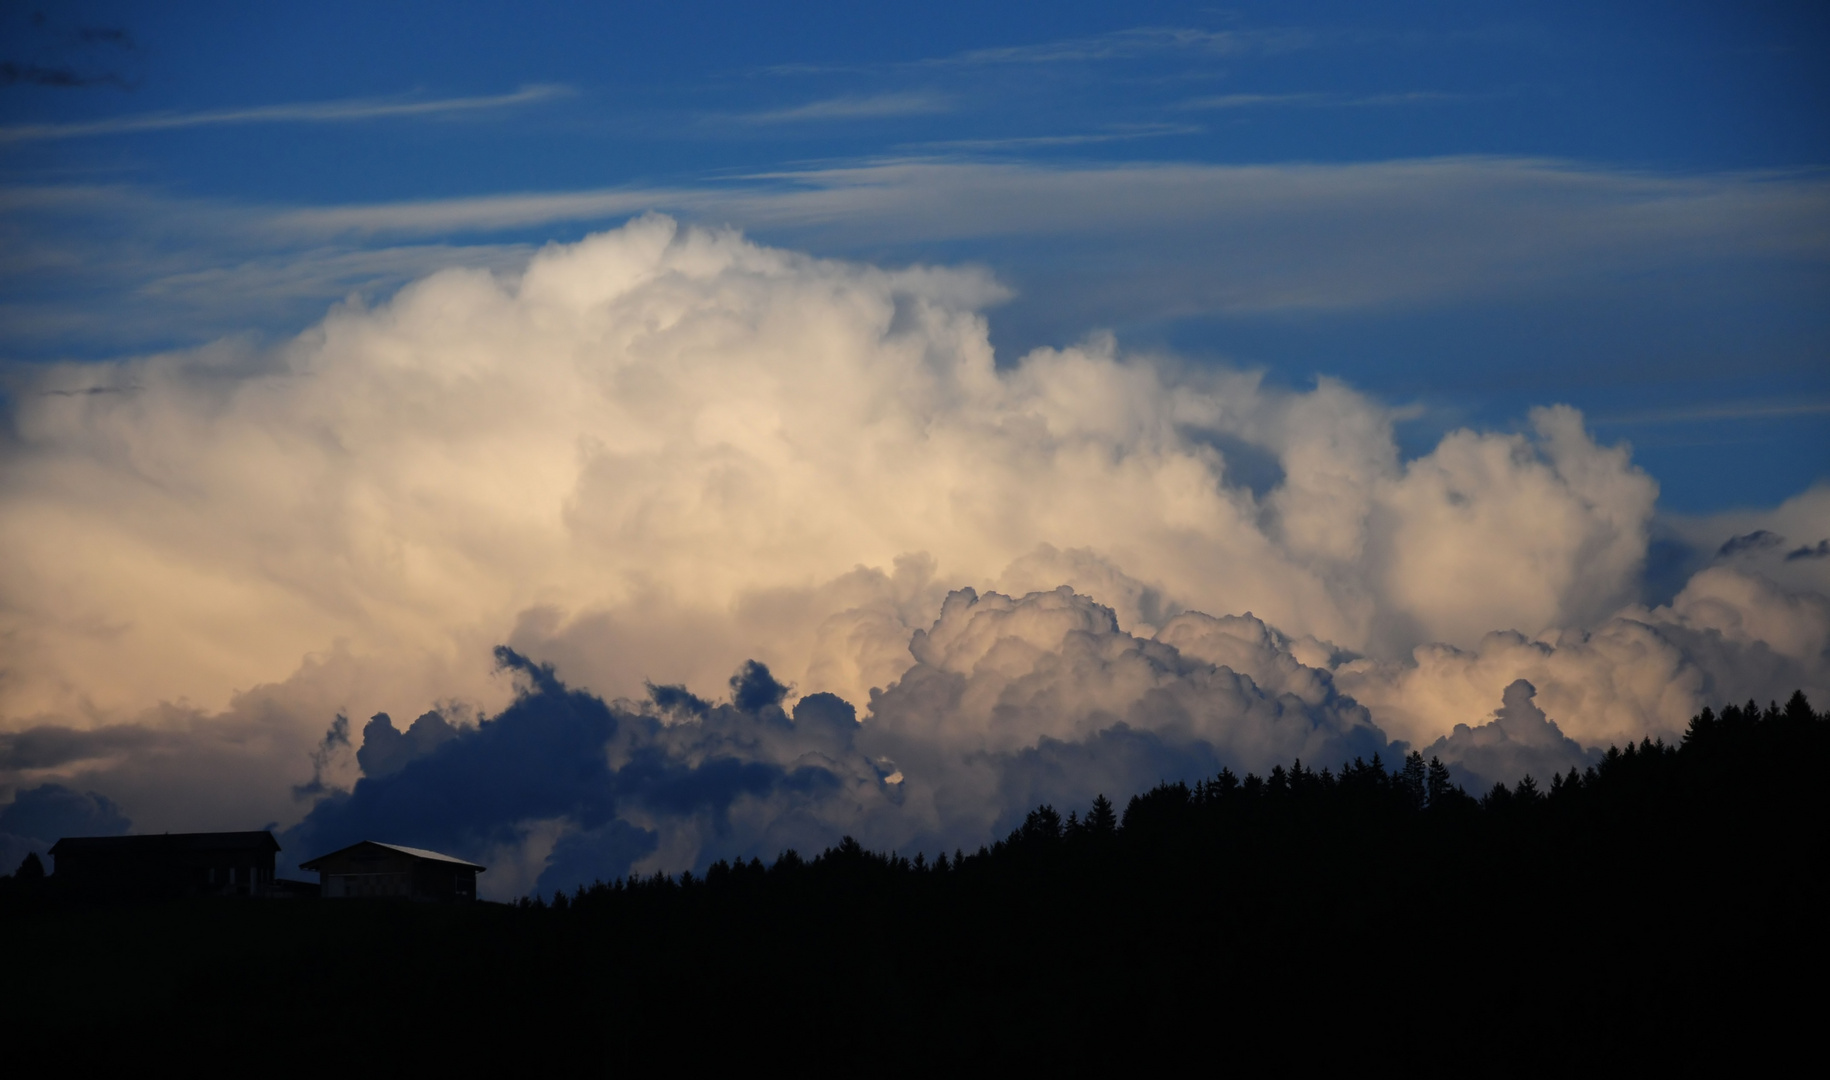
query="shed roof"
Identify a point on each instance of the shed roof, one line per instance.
(166, 842)
(417, 853)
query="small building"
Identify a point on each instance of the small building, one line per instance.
(168, 864)
(373, 869)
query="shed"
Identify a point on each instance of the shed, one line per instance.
(374, 869)
(169, 864)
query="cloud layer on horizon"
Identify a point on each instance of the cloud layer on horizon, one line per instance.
(661, 453)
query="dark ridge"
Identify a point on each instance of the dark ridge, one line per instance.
(1667, 902)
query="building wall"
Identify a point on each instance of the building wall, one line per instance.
(365, 873)
(377, 872)
(168, 869)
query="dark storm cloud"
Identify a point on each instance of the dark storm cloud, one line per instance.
(1821, 551)
(544, 757)
(39, 817)
(1758, 540)
(335, 739)
(51, 811)
(563, 755)
(599, 854)
(754, 689)
(671, 699)
(385, 750)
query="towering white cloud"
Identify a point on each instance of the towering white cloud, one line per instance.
(660, 452)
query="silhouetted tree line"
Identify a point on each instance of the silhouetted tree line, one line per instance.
(1743, 768)
(1667, 899)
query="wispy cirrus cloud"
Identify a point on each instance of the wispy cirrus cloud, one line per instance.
(1298, 236)
(856, 107)
(311, 112)
(928, 197)
(1315, 100)
(1129, 44)
(482, 213)
(1043, 142)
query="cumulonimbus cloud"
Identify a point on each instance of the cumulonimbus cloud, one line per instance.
(660, 453)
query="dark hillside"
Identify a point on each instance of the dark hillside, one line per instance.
(1669, 901)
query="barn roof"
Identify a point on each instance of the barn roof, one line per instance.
(166, 842)
(417, 853)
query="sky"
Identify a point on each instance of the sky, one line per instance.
(1434, 376)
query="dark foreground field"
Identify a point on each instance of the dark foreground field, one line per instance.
(1666, 905)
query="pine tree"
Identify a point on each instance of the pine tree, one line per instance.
(1438, 785)
(1563, 786)
(1101, 819)
(1042, 825)
(1413, 782)
(1701, 727)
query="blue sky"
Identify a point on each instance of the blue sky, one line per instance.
(1472, 208)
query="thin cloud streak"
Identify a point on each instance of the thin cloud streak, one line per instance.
(1021, 142)
(1315, 100)
(855, 108)
(952, 198)
(1128, 44)
(481, 213)
(1121, 45)
(1299, 236)
(317, 112)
